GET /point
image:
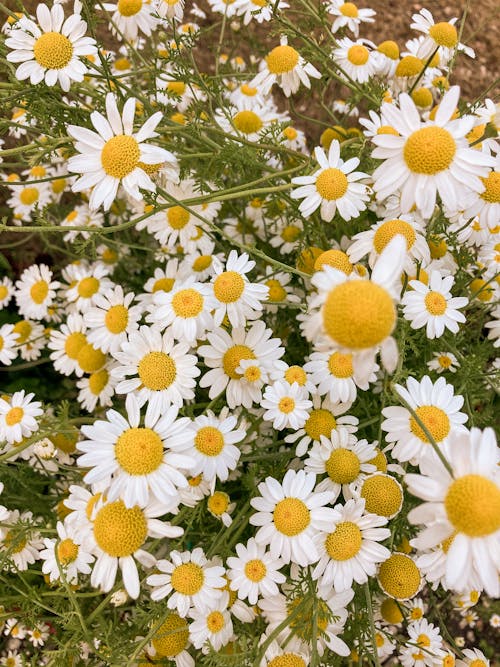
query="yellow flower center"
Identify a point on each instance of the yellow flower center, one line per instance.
(228, 287)
(122, 64)
(434, 419)
(248, 90)
(255, 570)
(109, 256)
(444, 361)
(482, 290)
(492, 185)
(422, 97)
(163, 285)
(478, 663)
(429, 150)
(331, 184)
(399, 577)
(98, 380)
(334, 258)
(129, 7)
(291, 516)
(116, 319)
(379, 461)
(409, 66)
(282, 59)
(286, 404)
(90, 359)
(276, 291)
(120, 155)
(302, 623)
(342, 466)
(119, 531)
(344, 542)
(66, 443)
(139, 451)
(320, 422)
(195, 481)
(202, 263)
(67, 551)
(382, 494)
(389, 49)
(218, 503)
(472, 504)
(444, 34)
(435, 303)
(209, 441)
(13, 543)
(388, 230)
(252, 374)
(14, 416)
(88, 287)
(358, 55)
(187, 579)
(247, 122)
(290, 233)
(296, 374)
(39, 291)
(416, 614)
(287, 660)
(23, 330)
(3, 292)
(359, 314)
(387, 129)
(176, 87)
(232, 359)
(29, 196)
(438, 248)
(290, 133)
(157, 371)
(177, 217)
(340, 365)
(172, 637)
(390, 612)
(215, 621)
(53, 50)
(349, 9)
(187, 303)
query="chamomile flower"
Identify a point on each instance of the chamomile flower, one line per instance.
(258, 10)
(19, 546)
(97, 388)
(333, 187)
(161, 371)
(433, 306)
(18, 416)
(494, 327)
(111, 319)
(286, 67)
(39, 634)
(349, 549)
(465, 507)
(139, 463)
(443, 361)
(254, 573)
(348, 15)
(294, 652)
(36, 291)
(86, 282)
(115, 155)
(30, 339)
(248, 123)
(6, 291)
(131, 16)
(8, 344)
(355, 59)
(52, 50)
(289, 514)
(442, 36)
(286, 405)
(65, 553)
(487, 205)
(219, 505)
(170, 9)
(424, 645)
(211, 624)
(12, 659)
(170, 641)
(66, 344)
(473, 658)
(189, 580)
(436, 407)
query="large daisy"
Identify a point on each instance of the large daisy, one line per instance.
(114, 154)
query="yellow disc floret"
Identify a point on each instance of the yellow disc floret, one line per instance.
(435, 303)
(247, 122)
(255, 570)
(67, 551)
(177, 217)
(331, 184)
(291, 516)
(157, 371)
(209, 441)
(14, 416)
(342, 466)
(120, 155)
(282, 59)
(492, 188)
(228, 287)
(39, 291)
(116, 319)
(53, 50)
(187, 579)
(344, 542)
(120, 531)
(87, 287)
(434, 419)
(336, 259)
(29, 196)
(429, 150)
(187, 303)
(399, 577)
(388, 230)
(444, 34)
(349, 9)
(383, 495)
(232, 359)
(287, 660)
(172, 637)
(340, 365)
(129, 7)
(358, 55)
(320, 422)
(472, 504)
(90, 359)
(139, 451)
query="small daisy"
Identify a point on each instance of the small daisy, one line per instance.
(18, 416)
(286, 67)
(97, 388)
(26, 199)
(211, 624)
(12, 659)
(424, 645)
(30, 339)
(19, 544)
(112, 319)
(189, 580)
(130, 16)
(6, 292)
(254, 572)
(86, 282)
(443, 361)
(487, 205)
(8, 344)
(258, 10)
(334, 187)
(442, 37)
(53, 51)
(433, 306)
(65, 553)
(348, 15)
(438, 409)
(286, 405)
(162, 372)
(163, 280)
(248, 123)
(355, 59)
(39, 634)
(36, 291)
(114, 155)
(170, 9)
(289, 514)
(66, 344)
(220, 507)
(349, 549)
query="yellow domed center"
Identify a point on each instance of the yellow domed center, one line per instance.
(157, 371)
(187, 303)
(232, 359)
(23, 330)
(129, 7)
(422, 97)
(444, 361)
(172, 637)
(388, 230)
(291, 233)
(247, 122)
(215, 621)
(116, 319)
(379, 461)
(276, 291)
(429, 150)
(228, 287)
(435, 303)
(53, 50)
(344, 542)
(390, 612)
(90, 359)
(336, 259)
(177, 217)
(340, 365)
(358, 55)
(349, 9)
(67, 551)
(255, 570)
(202, 263)
(423, 640)
(444, 34)
(434, 419)
(389, 48)
(87, 287)
(176, 87)
(120, 531)
(359, 314)
(74, 343)
(331, 184)
(287, 660)
(218, 503)
(296, 374)
(438, 248)
(120, 156)
(163, 285)
(286, 404)
(291, 517)
(252, 374)
(282, 59)
(382, 494)
(122, 64)
(472, 504)
(399, 577)
(187, 579)
(139, 451)
(28, 196)
(342, 466)
(209, 441)
(14, 416)
(290, 133)
(409, 66)
(3, 292)
(248, 90)
(387, 129)
(97, 381)
(492, 185)
(320, 422)
(39, 291)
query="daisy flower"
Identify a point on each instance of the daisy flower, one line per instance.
(36, 291)
(433, 306)
(26, 199)
(494, 327)
(254, 572)
(487, 205)
(443, 361)
(429, 158)
(333, 187)
(355, 60)
(424, 645)
(65, 553)
(286, 67)
(116, 539)
(236, 296)
(138, 462)
(98, 387)
(8, 344)
(189, 580)
(289, 514)
(257, 10)
(162, 372)
(30, 339)
(81, 216)
(249, 123)
(465, 507)
(211, 444)
(170, 641)
(294, 652)
(52, 50)
(220, 507)
(115, 155)
(6, 291)
(12, 659)
(442, 36)
(112, 319)
(437, 408)
(86, 281)
(348, 15)
(66, 343)
(18, 416)
(349, 549)
(163, 280)
(211, 624)
(18, 544)
(170, 9)
(39, 634)
(286, 405)
(130, 16)
(473, 658)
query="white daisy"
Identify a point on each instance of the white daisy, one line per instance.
(250, 124)
(487, 205)
(286, 405)
(98, 387)
(442, 36)
(293, 652)
(254, 572)
(170, 9)
(443, 361)
(112, 319)
(289, 514)
(86, 281)
(219, 505)
(333, 187)
(8, 344)
(473, 658)
(66, 554)
(39, 634)
(347, 14)
(437, 408)
(30, 339)
(424, 645)
(258, 10)
(6, 291)
(18, 416)
(36, 291)
(52, 50)
(211, 624)
(66, 343)
(114, 154)
(355, 59)
(19, 544)
(26, 199)
(130, 16)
